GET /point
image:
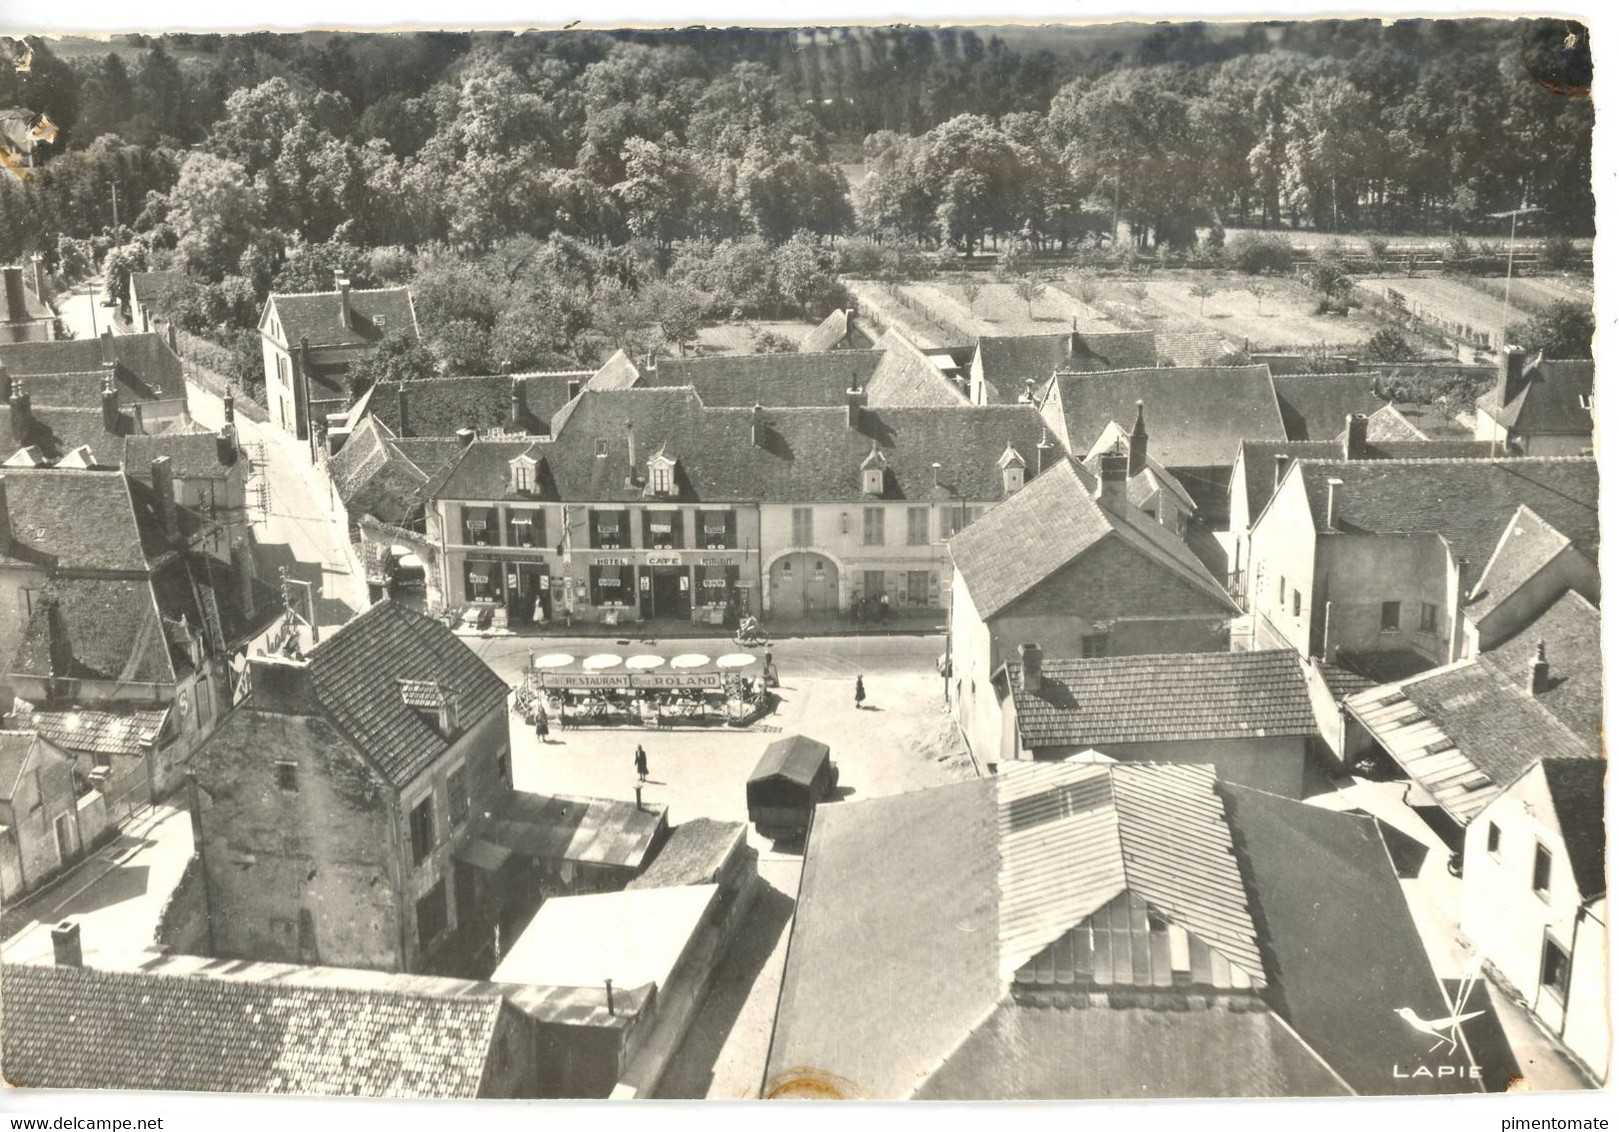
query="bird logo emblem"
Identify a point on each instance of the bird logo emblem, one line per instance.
(1447, 1029)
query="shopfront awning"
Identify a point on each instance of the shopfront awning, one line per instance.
(715, 577)
(714, 526)
(609, 575)
(607, 520)
(483, 855)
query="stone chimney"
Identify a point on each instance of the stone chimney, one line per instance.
(518, 410)
(1281, 470)
(1540, 672)
(758, 432)
(404, 403)
(345, 313)
(66, 946)
(629, 441)
(230, 407)
(1112, 485)
(22, 411)
(241, 564)
(1043, 452)
(281, 684)
(1335, 488)
(1138, 442)
(5, 518)
(465, 436)
(857, 407)
(163, 486)
(16, 303)
(111, 418)
(1355, 436)
(5, 383)
(109, 354)
(60, 646)
(225, 442)
(1029, 657)
(39, 276)
(1512, 367)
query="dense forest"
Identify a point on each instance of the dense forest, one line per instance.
(543, 191)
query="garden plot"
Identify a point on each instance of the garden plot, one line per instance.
(1283, 316)
(998, 311)
(1461, 312)
(740, 337)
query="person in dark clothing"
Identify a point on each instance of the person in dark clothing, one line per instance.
(640, 762)
(542, 727)
(859, 693)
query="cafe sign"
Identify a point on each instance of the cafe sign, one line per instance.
(663, 560)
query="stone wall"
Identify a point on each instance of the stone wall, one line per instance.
(183, 925)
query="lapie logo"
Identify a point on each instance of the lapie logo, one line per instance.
(1446, 1030)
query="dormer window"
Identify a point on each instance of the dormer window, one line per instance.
(1585, 401)
(661, 474)
(523, 475)
(382, 321)
(601, 449)
(872, 481)
(1012, 469)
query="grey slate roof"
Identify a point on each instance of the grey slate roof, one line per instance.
(56, 431)
(1024, 540)
(694, 854)
(146, 358)
(317, 316)
(1528, 545)
(73, 519)
(82, 1028)
(1549, 401)
(110, 627)
(1259, 458)
(192, 455)
(768, 379)
(1314, 405)
(907, 376)
(356, 672)
(1571, 629)
(1579, 799)
(1466, 502)
(1199, 414)
(1172, 698)
(1010, 361)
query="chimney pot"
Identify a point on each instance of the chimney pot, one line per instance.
(1355, 436)
(1138, 441)
(758, 425)
(111, 418)
(1029, 658)
(465, 435)
(1512, 360)
(1112, 487)
(345, 311)
(609, 983)
(1335, 489)
(66, 944)
(1540, 672)
(857, 405)
(230, 407)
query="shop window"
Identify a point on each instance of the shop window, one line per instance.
(481, 580)
(610, 585)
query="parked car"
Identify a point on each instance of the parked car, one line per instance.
(794, 774)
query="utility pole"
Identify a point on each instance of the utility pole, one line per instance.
(116, 238)
(1523, 209)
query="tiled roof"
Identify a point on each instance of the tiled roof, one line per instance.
(1152, 478)
(1314, 405)
(1259, 458)
(144, 359)
(768, 379)
(1024, 540)
(893, 952)
(1466, 502)
(907, 376)
(1173, 698)
(1008, 362)
(1464, 732)
(99, 732)
(1198, 414)
(1082, 1050)
(591, 831)
(71, 519)
(1571, 630)
(378, 475)
(82, 1028)
(110, 630)
(84, 390)
(317, 316)
(355, 670)
(57, 431)
(1577, 787)
(152, 288)
(1527, 546)
(441, 406)
(834, 330)
(15, 747)
(1341, 682)
(1391, 424)
(694, 854)
(1552, 399)
(809, 455)
(192, 455)
(1339, 942)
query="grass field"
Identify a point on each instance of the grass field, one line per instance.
(1283, 316)
(997, 310)
(738, 337)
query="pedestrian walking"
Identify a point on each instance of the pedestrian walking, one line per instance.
(859, 693)
(770, 670)
(542, 726)
(640, 762)
(882, 608)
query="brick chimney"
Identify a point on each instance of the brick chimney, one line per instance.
(1512, 367)
(1281, 470)
(22, 411)
(1112, 485)
(1540, 672)
(1138, 442)
(5, 518)
(1029, 657)
(163, 487)
(1355, 436)
(66, 946)
(857, 407)
(1335, 489)
(345, 313)
(241, 564)
(757, 435)
(518, 410)
(111, 418)
(449, 713)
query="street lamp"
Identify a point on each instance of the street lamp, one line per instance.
(1512, 240)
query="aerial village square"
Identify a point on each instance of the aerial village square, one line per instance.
(869, 563)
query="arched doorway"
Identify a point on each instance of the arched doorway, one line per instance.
(803, 585)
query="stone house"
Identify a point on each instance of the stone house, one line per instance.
(25, 316)
(337, 808)
(39, 812)
(1539, 407)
